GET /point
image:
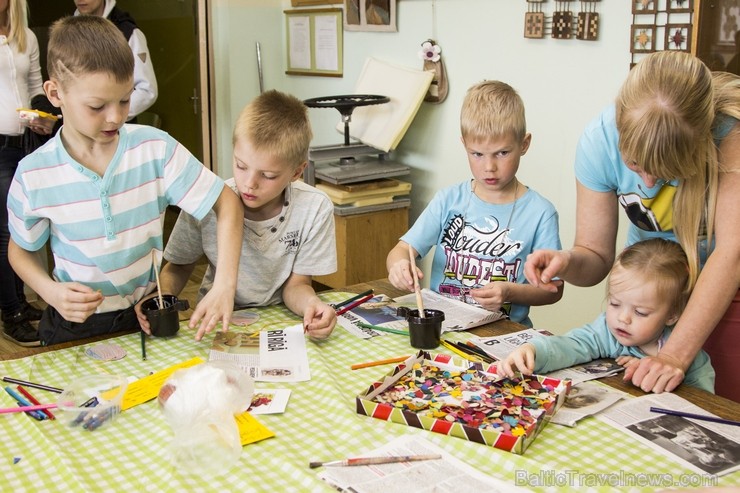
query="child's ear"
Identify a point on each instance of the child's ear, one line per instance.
(672, 320)
(525, 143)
(298, 172)
(51, 88)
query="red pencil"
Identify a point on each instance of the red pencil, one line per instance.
(353, 305)
(34, 401)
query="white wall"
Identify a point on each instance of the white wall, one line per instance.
(564, 83)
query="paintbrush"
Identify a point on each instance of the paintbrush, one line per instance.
(417, 289)
(366, 461)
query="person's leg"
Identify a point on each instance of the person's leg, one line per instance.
(15, 321)
(723, 347)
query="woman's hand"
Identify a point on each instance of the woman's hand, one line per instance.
(542, 266)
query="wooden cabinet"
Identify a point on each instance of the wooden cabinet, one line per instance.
(363, 242)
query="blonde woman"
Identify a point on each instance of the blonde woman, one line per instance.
(668, 153)
(20, 81)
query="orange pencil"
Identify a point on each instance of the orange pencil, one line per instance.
(379, 362)
(34, 401)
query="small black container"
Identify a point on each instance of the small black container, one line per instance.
(424, 333)
(164, 322)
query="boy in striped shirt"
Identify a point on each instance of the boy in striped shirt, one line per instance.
(98, 192)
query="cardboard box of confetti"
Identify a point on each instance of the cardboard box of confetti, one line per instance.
(447, 395)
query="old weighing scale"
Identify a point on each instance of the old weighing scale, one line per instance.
(356, 176)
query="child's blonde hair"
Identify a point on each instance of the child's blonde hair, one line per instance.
(87, 44)
(17, 24)
(662, 263)
(665, 112)
(492, 109)
(276, 123)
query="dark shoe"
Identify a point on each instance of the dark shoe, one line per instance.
(18, 330)
(31, 312)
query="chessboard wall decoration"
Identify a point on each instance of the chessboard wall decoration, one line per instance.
(660, 25)
(562, 22)
(588, 21)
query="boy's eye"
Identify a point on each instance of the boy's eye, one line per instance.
(96, 108)
(476, 154)
(269, 177)
(641, 313)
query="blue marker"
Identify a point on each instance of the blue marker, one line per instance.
(91, 402)
(24, 402)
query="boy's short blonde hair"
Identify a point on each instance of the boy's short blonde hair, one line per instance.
(88, 44)
(662, 262)
(492, 109)
(276, 123)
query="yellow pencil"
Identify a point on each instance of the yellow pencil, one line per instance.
(468, 357)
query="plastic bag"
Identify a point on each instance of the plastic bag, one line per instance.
(199, 403)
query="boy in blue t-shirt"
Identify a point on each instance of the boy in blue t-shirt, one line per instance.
(484, 228)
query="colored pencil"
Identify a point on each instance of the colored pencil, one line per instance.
(25, 409)
(23, 402)
(703, 417)
(379, 362)
(143, 345)
(417, 289)
(354, 304)
(459, 352)
(365, 461)
(382, 329)
(469, 346)
(352, 299)
(33, 385)
(34, 401)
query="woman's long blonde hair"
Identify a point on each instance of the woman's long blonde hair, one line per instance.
(18, 22)
(665, 114)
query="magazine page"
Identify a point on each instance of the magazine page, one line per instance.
(277, 355)
(702, 446)
(445, 474)
(499, 347)
(598, 368)
(378, 311)
(585, 399)
(458, 315)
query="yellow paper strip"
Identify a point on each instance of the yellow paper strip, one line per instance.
(251, 430)
(147, 388)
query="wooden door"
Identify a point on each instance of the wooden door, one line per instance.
(176, 35)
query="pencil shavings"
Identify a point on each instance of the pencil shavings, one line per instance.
(106, 352)
(467, 403)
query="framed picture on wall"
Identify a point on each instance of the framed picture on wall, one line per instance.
(370, 15)
(643, 38)
(314, 42)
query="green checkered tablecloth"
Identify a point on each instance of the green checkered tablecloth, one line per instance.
(320, 423)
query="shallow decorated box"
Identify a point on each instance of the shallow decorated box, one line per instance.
(454, 397)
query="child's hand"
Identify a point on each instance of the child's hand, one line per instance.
(627, 361)
(216, 306)
(319, 320)
(400, 275)
(42, 126)
(522, 359)
(143, 321)
(543, 265)
(492, 296)
(74, 301)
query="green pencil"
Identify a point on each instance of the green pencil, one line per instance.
(382, 329)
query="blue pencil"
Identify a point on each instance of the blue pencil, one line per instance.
(703, 417)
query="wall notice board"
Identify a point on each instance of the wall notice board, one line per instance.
(314, 42)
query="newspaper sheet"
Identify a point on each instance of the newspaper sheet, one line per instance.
(702, 446)
(277, 355)
(585, 399)
(458, 314)
(445, 474)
